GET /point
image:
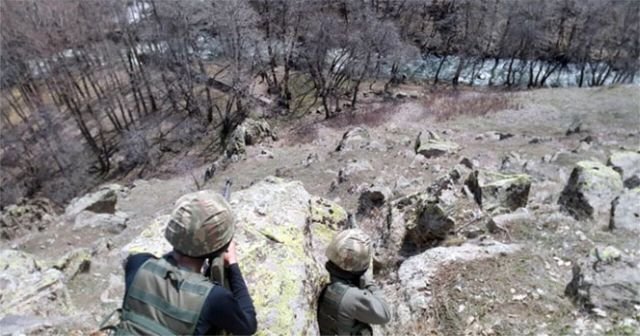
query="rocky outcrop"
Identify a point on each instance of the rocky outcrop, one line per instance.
(625, 211)
(25, 216)
(29, 288)
(411, 297)
(590, 190)
(606, 280)
(421, 220)
(627, 163)
(102, 201)
(249, 132)
(281, 236)
(354, 138)
(430, 145)
(496, 192)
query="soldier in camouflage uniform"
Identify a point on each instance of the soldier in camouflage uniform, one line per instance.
(351, 302)
(170, 295)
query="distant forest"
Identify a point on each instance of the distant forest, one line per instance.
(85, 81)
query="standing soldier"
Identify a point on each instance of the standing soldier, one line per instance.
(351, 302)
(170, 295)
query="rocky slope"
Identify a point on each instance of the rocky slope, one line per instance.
(522, 221)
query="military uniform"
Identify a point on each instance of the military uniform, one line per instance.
(162, 297)
(351, 302)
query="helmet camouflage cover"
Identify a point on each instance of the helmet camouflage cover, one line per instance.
(350, 250)
(201, 223)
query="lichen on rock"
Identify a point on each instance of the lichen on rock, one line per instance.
(279, 250)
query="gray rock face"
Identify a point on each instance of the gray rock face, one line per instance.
(112, 223)
(430, 145)
(354, 138)
(28, 288)
(102, 201)
(590, 190)
(627, 163)
(606, 284)
(26, 215)
(496, 191)
(282, 233)
(625, 211)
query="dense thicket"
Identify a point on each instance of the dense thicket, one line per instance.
(84, 82)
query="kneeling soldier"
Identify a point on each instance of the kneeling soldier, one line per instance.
(351, 302)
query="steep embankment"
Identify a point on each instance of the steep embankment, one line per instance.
(478, 221)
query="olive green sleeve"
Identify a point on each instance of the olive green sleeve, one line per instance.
(366, 305)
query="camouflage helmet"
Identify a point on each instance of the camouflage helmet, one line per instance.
(350, 250)
(201, 223)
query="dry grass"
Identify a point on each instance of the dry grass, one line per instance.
(448, 104)
(369, 115)
(478, 298)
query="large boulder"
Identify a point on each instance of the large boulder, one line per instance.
(627, 163)
(26, 215)
(430, 145)
(606, 280)
(103, 200)
(495, 191)
(411, 296)
(625, 211)
(28, 288)
(590, 190)
(355, 138)
(282, 233)
(249, 132)
(112, 223)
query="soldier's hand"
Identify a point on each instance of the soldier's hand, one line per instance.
(230, 254)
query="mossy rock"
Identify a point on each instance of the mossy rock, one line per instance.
(281, 236)
(494, 191)
(327, 212)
